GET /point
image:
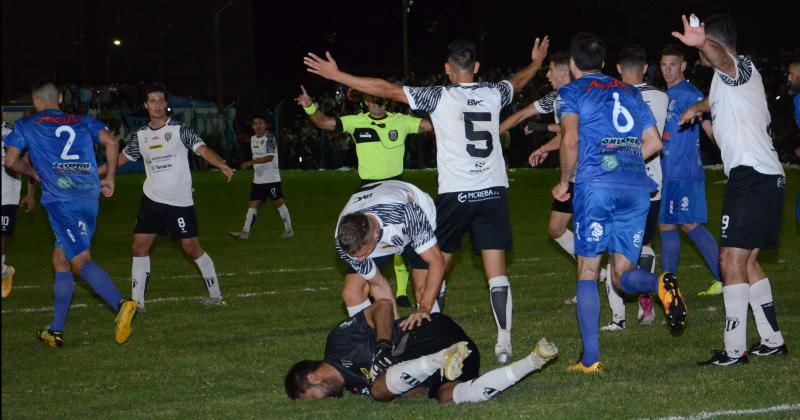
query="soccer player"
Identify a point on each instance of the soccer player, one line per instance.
(608, 131)
(632, 66)
(369, 354)
(381, 220)
(12, 187)
(684, 203)
(167, 204)
(751, 210)
(794, 88)
(472, 179)
(61, 149)
(266, 179)
(380, 139)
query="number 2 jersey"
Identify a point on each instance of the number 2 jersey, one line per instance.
(61, 147)
(466, 118)
(612, 117)
(166, 161)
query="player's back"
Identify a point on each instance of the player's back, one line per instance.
(612, 116)
(681, 152)
(61, 147)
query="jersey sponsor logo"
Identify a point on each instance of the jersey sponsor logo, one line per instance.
(72, 168)
(474, 196)
(155, 146)
(347, 363)
(65, 183)
(474, 102)
(364, 135)
(614, 83)
(609, 163)
(362, 197)
(393, 135)
(56, 119)
(597, 232)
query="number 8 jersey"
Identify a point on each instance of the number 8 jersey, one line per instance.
(466, 118)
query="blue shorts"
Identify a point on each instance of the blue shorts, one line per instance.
(610, 219)
(73, 223)
(683, 202)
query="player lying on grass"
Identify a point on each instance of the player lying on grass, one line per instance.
(370, 354)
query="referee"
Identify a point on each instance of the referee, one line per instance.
(380, 139)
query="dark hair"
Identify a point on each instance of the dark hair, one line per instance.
(795, 61)
(462, 53)
(673, 50)
(632, 56)
(46, 91)
(560, 58)
(296, 381)
(722, 28)
(153, 88)
(353, 232)
(588, 51)
(260, 117)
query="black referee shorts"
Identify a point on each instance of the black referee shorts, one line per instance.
(752, 209)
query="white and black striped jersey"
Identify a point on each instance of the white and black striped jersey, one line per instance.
(740, 118)
(166, 161)
(547, 104)
(658, 102)
(265, 173)
(407, 216)
(11, 181)
(466, 118)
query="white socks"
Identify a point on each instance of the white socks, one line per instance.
(353, 310)
(615, 301)
(209, 274)
(764, 313)
(287, 220)
(500, 297)
(567, 241)
(490, 384)
(140, 273)
(736, 298)
(249, 218)
(410, 374)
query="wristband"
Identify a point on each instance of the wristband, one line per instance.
(311, 109)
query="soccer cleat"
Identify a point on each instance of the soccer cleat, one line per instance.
(672, 301)
(454, 358)
(214, 301)
(571, 301)
(502, 351)
(287, 233)
(239, 235)
(403, 301)
(714, 289)
(646, 313)
(8, 277)
(721, 358)
(140, 306)
(545, 349)
(615, 326)
(595, 368)
(123, 330)
(763, 350)
(54, 339)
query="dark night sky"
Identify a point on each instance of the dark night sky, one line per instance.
(263, 42)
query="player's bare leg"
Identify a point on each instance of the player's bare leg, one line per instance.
(191, 247)
(356, 291)
(494, 266)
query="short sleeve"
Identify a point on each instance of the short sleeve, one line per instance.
(131, 150)
(419, 229)
(94, 128)
(348, 123)
(506, 90)
(411, 124)
(16, 139)
(744, 70)
(365, 268)
(271, 145)
(546, 104)
(646, 117)
(423, 98)
(190, 139)
(567, 101)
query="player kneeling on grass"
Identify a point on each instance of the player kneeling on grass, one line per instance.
(370, 354)
(381, 220)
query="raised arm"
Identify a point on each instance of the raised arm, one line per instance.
(369, 85)
(538, 53)
(518, 117)
(318, 118)
(695, 36)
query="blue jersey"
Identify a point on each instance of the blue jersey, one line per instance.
(680, 158)
(612, 116)
(61, 147)
(797, 109)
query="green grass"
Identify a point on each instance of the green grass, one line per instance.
(283, 296)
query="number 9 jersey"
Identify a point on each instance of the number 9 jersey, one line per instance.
(466, 118)
(61, 147)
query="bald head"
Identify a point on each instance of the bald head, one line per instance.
(46, 93)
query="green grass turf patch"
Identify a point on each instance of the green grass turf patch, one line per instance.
(184, 360)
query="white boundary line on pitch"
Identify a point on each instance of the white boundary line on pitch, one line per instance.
(745, 411)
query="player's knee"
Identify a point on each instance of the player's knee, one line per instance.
(556, 230)
(445, 393)
(192, 248)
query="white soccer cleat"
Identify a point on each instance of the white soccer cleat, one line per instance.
(239, 235)
(545, 349)
(615, 326)
(287, 233)
(211, 302)
(453, 360)
(502, 351)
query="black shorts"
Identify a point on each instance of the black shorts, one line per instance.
(752, 209)
(260, 192)
(482, 213)
(564, 206)
(651, 227)
(159, 219)
(438, 334)
(9, 216)
(412, 258)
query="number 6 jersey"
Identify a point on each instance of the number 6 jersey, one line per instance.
(466, 118)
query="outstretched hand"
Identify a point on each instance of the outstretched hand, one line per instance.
(539, 51)
(107, 187)
(304, 99)
(317, 65)
(692, 36)
(226, 170)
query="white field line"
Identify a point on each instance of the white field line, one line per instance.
(742, 412)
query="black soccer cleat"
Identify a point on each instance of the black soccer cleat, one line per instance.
(763, 350)
(721, 358)
(403, 301)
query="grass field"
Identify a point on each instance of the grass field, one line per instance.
(283, 297)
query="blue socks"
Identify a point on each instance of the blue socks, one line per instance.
(101, 283)
(62, 296)
(588, 308)
(670, 250)
(637, 280)
(708, 247)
